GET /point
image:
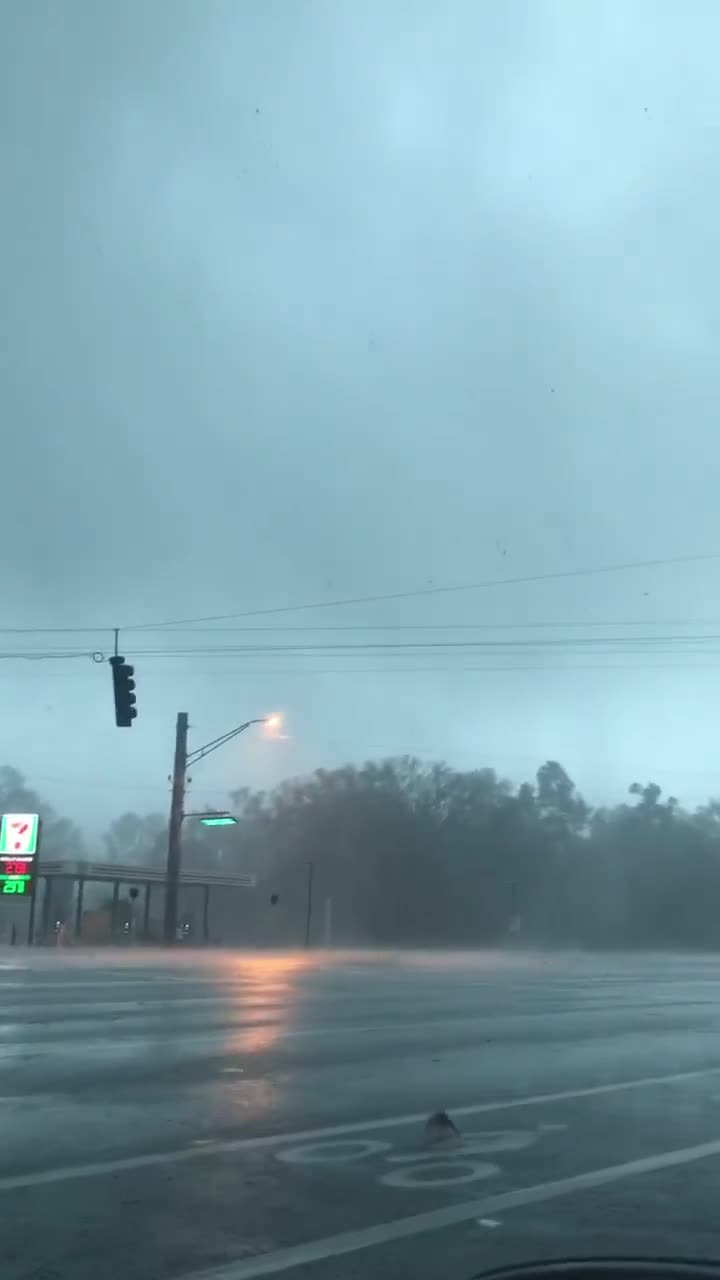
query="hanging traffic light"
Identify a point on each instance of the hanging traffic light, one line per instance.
(124, 692)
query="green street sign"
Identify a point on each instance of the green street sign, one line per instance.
(222, 820)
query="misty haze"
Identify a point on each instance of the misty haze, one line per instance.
(359, 790)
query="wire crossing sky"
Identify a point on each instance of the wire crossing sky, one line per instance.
(368, 375)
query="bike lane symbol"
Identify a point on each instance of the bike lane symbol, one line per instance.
(442, 1167)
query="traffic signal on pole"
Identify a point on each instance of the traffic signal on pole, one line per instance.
(124, 692)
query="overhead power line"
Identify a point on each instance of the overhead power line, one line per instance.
(417, 593)
(54, 655)
(544, 668)
(392, 645)
(443, 626)
(314, 628)
(377, 597)
(632, 644)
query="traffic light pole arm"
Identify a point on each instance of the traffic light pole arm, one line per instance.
(200, 752)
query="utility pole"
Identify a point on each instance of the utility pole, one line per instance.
(177, 805)
(309, 904)
(183, 759)
(35, 883)
(327, 923)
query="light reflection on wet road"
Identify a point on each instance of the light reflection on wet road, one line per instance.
(153, 1100)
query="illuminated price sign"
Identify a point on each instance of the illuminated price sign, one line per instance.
(15, 884)
(19, 834)
(18, 847)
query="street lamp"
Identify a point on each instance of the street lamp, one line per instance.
(183, 760)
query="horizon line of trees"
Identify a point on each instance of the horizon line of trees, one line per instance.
(410, 852)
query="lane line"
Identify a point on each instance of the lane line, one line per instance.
(38, 996)
(217, 1037)
(82, 1010)
(26, 982)
(436, 1219)
(28, 1013)
(98, 1168)
(164, 987)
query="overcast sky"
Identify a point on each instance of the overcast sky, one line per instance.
(305, 300)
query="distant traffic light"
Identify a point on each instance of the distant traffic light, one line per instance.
(124, 692)
(274, 899)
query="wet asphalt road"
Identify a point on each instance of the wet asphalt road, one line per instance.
(243, 1115)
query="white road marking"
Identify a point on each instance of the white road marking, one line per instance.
(428, 1174)
(485, 1141)
(97, 984)
(210, 1040)
(27, 1011)
(216, 1038)
(333, 1152)
(80, 1010)
(436, 1219)
(475, 1144)
(97, 1168)
(489, 1222)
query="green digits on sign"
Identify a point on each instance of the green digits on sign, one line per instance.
(14, 886)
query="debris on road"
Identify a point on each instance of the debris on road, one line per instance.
(440, 1130)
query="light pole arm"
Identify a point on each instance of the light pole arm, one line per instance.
(200, 752)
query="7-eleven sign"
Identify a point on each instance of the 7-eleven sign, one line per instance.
(19, 834)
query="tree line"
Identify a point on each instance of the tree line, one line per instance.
(409, 852)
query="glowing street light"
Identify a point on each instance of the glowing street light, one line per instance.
(184, 758)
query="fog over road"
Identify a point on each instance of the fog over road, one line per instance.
(251, 1114)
